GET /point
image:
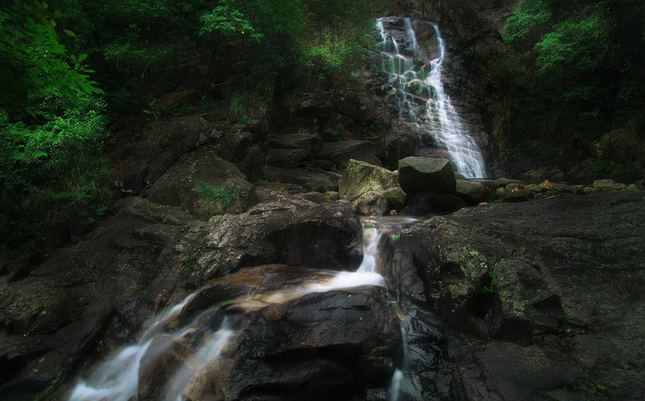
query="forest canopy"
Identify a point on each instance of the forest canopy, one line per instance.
(71, 66)
(577, 66)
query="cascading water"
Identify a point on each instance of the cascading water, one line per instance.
(418, 84)
(117, 378)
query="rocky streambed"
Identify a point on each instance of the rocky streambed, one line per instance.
(539, 300)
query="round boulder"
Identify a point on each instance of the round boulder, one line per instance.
(423, 174)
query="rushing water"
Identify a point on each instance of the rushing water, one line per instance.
(117, 378)
(422, 100)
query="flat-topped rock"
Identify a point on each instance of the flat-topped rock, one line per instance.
(287, 158)
(341, 152)
(423, 174)
(310, 178)
(310, 143)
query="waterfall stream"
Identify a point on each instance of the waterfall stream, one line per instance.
(417, 81)
(117, 377)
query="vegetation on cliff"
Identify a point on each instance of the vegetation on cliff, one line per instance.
(576, 70)
(71, 66)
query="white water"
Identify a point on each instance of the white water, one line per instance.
(211, 348)
(117, 378)
(422, 100)
(366, 274)
(395, 386)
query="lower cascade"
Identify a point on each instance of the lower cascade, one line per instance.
(416, 78)
(187, 347)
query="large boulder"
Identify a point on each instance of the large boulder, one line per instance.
(423, 174)
(194, 180)
(337, 344)
(556, 273)
(154, 151)
(286, 230)
(361, 178)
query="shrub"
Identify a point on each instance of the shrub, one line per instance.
(214, 200)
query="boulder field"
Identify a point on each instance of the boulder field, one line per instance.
(532, 300)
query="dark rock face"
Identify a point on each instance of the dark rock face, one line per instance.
(291, 231)
(310, 143)
(432, 203)
(303, 355)
(52, 319)
(555, 273)
(157, 150)
(340, 153)
(423, 174)
(179, 185)
(399, 143)
(312, 179)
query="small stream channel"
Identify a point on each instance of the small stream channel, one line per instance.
(118, 377)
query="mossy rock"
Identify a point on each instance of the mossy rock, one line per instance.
(361, 177)
(395, 198)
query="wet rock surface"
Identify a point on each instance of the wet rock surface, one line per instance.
(503, 302)
(108, 282)
(543, 286)
(288, 230)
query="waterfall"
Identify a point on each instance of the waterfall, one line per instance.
(117, 377)
(418, 86)
(366, 274)
(395, 386)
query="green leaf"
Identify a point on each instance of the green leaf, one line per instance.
(68, 32)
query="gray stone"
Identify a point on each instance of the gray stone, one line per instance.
(340, 153)
(286, 158)
(422, 174)
(308, 142)
(360, 177)
(372, 204)
(473, 191)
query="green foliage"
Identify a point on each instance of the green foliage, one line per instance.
(52, 127)
(294, 40)
(608, 167)
(36, 66)
(531, 12)
(240, 105)
(575, 43)
(334, 132)
(578, 67)
(215, 200)
(51, 172)
(228, 21)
